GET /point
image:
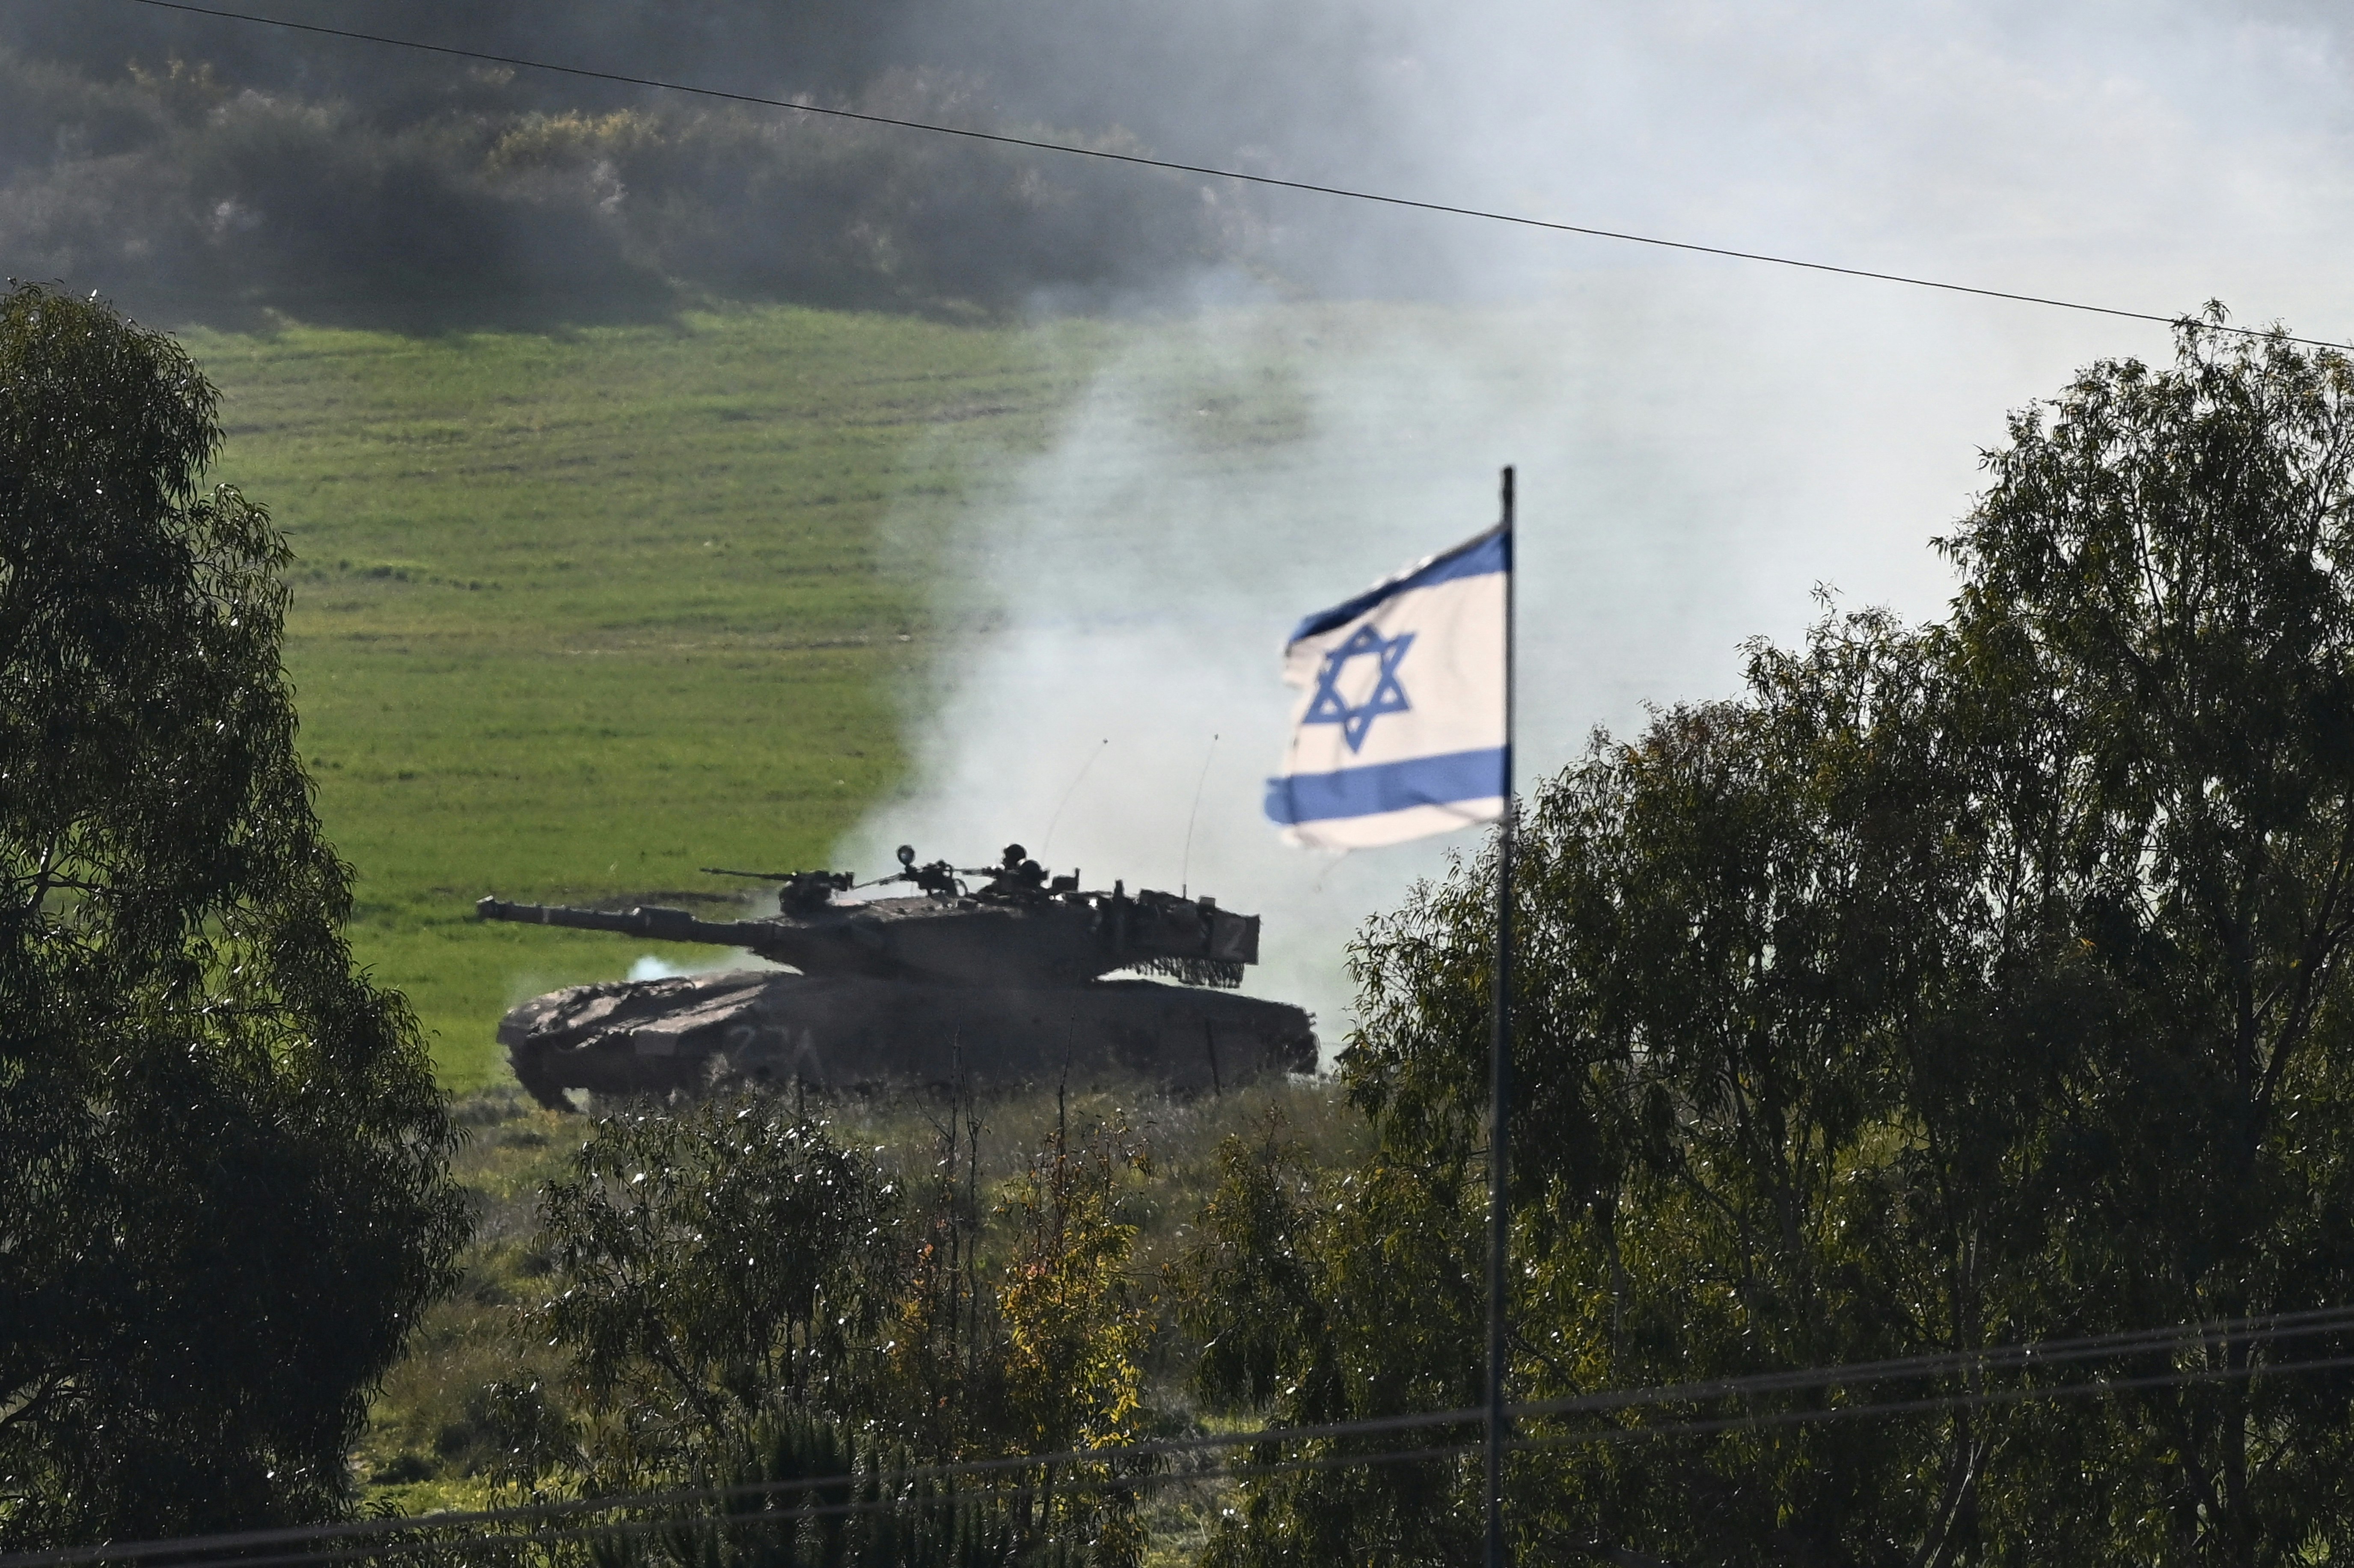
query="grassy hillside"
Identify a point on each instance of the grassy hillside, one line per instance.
(576, 614)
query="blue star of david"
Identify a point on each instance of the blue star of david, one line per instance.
(1328, 706)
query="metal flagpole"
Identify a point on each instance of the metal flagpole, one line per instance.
(1500, 1086)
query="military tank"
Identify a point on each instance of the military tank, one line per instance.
(999, 975)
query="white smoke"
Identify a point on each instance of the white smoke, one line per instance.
(1699, 443)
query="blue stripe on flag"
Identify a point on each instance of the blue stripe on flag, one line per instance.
(1487, 552)
(1387, 787)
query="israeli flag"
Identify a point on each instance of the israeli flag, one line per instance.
(1401, 729)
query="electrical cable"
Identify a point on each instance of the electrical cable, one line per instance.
(792, 1516)
(1211, 171)
(144, 1551)
(787, 1517)
(2302, 1324)
(1935, 1403)
(2239, 1330)
(2032, 1355)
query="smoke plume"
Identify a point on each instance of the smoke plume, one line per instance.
(1701, 444)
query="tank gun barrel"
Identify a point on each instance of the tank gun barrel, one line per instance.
(655, 921)
(834, 947)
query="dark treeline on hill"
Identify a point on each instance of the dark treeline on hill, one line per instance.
(198, 168)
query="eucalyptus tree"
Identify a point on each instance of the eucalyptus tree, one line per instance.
(224, 1194)
(2157, 630)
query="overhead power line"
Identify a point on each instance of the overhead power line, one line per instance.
(1208, 171)
(2031, 1357)
(436, 1538)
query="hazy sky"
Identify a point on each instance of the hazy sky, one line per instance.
(1700, 443)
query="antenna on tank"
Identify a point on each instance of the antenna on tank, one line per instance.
(1047, 842)
(1186, 867)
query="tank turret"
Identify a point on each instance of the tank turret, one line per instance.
(994, 973)
(1019, 928)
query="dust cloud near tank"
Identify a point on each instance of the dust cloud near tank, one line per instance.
(995, 976)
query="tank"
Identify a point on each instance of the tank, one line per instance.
(997, 976)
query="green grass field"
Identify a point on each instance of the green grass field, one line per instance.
(576, 614)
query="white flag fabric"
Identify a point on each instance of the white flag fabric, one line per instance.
(1400, 729)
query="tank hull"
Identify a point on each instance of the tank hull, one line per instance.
(633, 1037)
